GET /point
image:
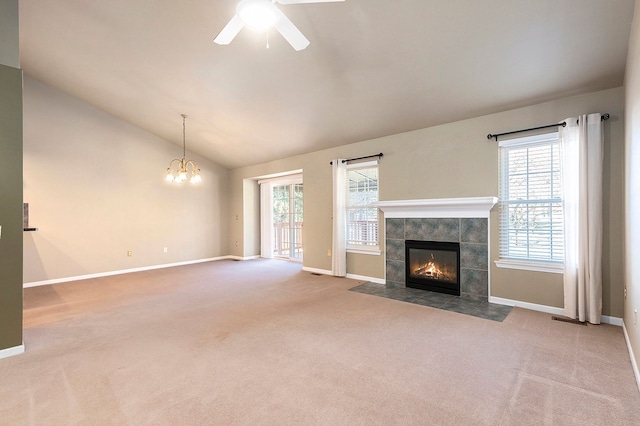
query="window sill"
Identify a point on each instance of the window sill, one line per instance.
(374, 252)
(553, 268)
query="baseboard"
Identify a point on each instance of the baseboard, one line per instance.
(526, 305)
(349, 276)
(123, 271)
(189, 262)
(612, 320)
(317, 271)
(634, 364)
(363, 278)
(16, 350)
(605, 319)
(242, 258)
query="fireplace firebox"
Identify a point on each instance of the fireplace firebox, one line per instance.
(433, 266)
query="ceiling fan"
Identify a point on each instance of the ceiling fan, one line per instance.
(262, 15)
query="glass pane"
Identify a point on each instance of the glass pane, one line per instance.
(362, 226)
(517, 187)
(362, 221)
(531, 212)
(362, 186)
(287, 221)
(540, 186)
(297, 222)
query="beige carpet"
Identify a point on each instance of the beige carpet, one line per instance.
(263, 343)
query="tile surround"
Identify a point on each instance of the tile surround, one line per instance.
(471, 233)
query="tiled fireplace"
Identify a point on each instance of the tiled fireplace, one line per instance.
(464, 221)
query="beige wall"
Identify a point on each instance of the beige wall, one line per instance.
(95, 186)
(632, 180)
(454, 160)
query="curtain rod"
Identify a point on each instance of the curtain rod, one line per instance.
(360, 158)
(563, 124)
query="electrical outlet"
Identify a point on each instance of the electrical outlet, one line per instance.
(129, 253)
(625, 292)
(165, 250)
(236, 243)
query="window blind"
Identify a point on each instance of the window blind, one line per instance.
(531, 222)
(362, 218)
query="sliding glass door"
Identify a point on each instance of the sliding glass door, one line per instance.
(287, 221)
(281, 217)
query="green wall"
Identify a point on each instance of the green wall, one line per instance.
(10, 207)
(9, 33)
(10, 180)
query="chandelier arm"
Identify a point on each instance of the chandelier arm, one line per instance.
(173, 161)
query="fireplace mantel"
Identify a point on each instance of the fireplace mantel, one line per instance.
(469, 207)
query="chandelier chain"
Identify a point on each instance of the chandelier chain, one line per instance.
(184, 136)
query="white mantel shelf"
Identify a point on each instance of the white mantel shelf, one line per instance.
(438, 207)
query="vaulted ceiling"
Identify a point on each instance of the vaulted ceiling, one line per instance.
(373, 68)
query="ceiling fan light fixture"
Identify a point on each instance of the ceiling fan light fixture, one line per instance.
(261, 15)
(256, 14)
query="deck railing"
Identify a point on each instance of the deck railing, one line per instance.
(282, 239)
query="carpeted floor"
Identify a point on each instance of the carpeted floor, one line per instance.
(262, 342)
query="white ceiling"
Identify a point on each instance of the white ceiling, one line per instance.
(373, 68)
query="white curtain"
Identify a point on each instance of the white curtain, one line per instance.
(581, 144)
(339, 245)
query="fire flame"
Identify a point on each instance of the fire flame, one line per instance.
(431, 270)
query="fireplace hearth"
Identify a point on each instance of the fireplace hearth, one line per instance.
(433, 266)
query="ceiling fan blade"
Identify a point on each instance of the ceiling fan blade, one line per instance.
(289, 31)
(230, 30)
(306, 1)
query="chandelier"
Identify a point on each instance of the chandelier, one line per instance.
(184, 166)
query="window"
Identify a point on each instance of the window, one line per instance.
(362, 217)
(531, 228)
